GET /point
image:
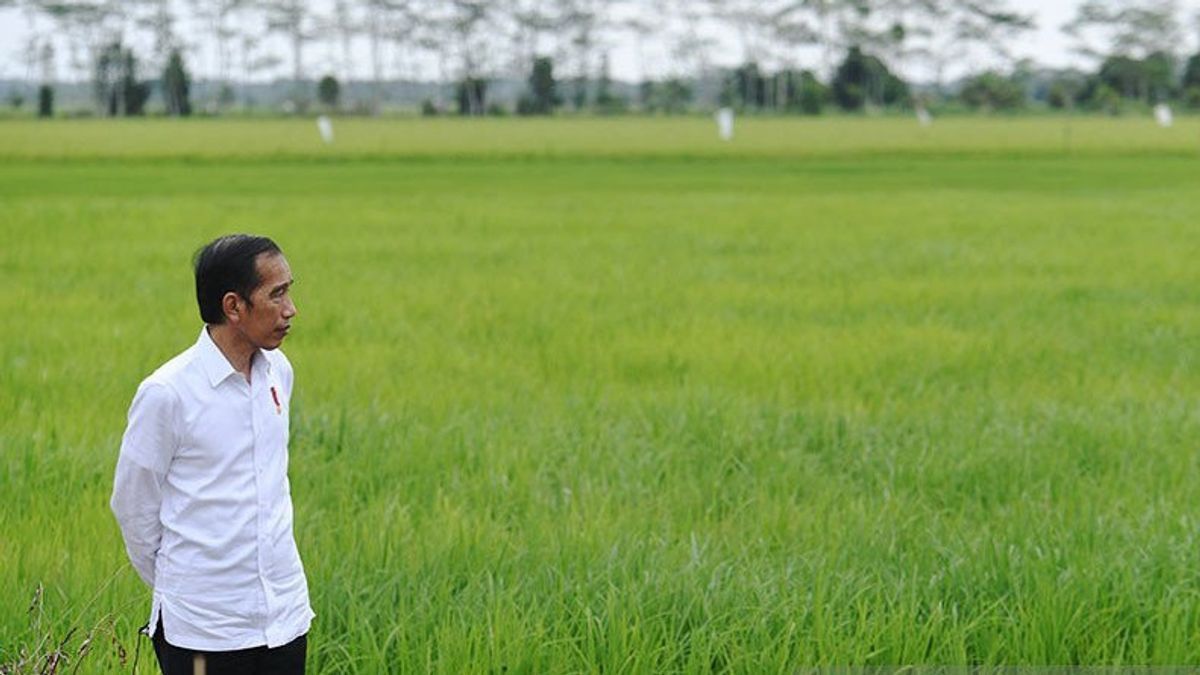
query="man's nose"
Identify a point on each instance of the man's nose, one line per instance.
(289, 309)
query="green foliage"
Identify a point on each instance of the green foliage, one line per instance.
(579, 92)
(608, 103)
(329, 92)
(1191, 97)
(542, 97)
(1096, 95)
(862, 80)
(471, 93)
(611, 104)
(1159, 68)
(226, 96)
(1149, 80)
(45, 101)
(1191, 72)
(993, 91)
(1062, 93)
(175, 85)
(747, 88)
(671, 96)
(806, 94)
(1124, 75)
(117, 89)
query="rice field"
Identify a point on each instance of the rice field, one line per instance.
(612, 396)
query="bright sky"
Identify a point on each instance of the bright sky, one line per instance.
(1047, 46)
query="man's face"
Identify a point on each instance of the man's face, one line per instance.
(268, 317)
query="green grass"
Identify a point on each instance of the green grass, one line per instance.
(609, 396)
(617, 137)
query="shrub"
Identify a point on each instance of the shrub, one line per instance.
(329, 92)
(45, 101)
(992, 91)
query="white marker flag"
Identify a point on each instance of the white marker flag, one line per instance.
(325, 127)
(1162, 115)
(725, 123)
(923, 117)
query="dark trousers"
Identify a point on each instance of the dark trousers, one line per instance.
(283, 660)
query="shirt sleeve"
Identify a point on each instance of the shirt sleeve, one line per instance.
(147, 448)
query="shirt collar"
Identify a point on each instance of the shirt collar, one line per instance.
(216, 366)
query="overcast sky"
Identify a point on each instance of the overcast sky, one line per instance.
(1046, 45)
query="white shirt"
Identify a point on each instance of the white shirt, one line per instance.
(202, 498)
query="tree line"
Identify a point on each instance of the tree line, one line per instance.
(797, 55)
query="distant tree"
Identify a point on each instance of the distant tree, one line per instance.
(1159, 68)
(472, 96)
(1132, 28)
(850, 81)
(993, 91)
(810, 95)
(1124, 75)
(1063, 92)
(782, 91)
(606, 101)
(328, 91)
(579, 92)
(45, 101)
(747, 87)
(676, 95)
(1190, 83)
(1149, 80)
(863, 80)
(106, 80)
(1191, 72)
(226, 96)
(671, 96)
(1097, 96)
(948, 31)
(221, 18)
(646, 92)
(542, 97)
(530, 20)
(292, 19)
(134, 92)
(469, 24)
(117, 89)
(390, 21)
(343, 21)
(45, 57)
(16, 99)
(753, 24)
(175, 85)
(158, 17)
(84, 26)
(581, 22)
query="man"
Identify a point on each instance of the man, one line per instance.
(201, 491)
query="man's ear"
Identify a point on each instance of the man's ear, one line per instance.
(231, 304)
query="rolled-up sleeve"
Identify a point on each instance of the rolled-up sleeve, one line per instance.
(147, 448)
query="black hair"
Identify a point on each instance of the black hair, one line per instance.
(228, 264)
